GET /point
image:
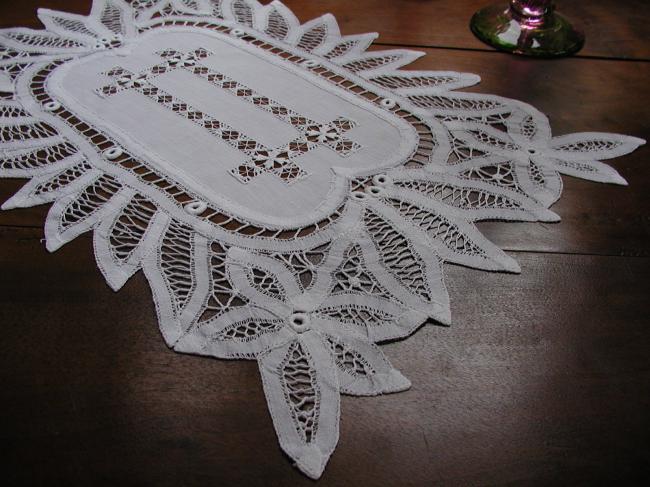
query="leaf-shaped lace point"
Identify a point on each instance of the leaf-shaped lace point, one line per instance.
(78, 213)
(579, 155)
(424, 82)
(363, 370)
(242, 333)
(593, 145)
(302, 391)
(122, 242)
(476, 199)
(277, 21)
(373, 63)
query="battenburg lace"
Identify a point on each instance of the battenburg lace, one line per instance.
(290, 196)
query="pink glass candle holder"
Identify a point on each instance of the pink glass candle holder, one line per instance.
(529, 27)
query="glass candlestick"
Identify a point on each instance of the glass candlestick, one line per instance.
(529, 27)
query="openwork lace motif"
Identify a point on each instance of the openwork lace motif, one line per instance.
(299, 227)
(280, 160)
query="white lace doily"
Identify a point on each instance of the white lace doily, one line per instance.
(290, 196)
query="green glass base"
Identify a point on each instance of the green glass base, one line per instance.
(554, 37)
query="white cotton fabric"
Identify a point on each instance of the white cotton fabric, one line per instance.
(290, 196)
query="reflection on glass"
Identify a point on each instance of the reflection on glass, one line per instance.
(530, 27)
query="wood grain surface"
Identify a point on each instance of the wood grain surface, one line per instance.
(543, 379)
(613, 28)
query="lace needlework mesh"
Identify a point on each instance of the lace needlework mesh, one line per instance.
(291, 196)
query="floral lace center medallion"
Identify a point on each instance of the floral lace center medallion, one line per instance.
(290, 196)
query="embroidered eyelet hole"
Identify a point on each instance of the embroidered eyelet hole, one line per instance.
(300, 322)
(533, 152)
(382, 180)
(375, 190)
(359, 195)
(113, 153)
(52, 106)
(108, 42)
(196, 207)
(310, 63)
(237, 32)
(388, 103)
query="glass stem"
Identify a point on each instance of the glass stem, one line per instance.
(531, 13)
(529, 27)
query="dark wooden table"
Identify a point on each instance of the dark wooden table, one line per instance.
(544, 378)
